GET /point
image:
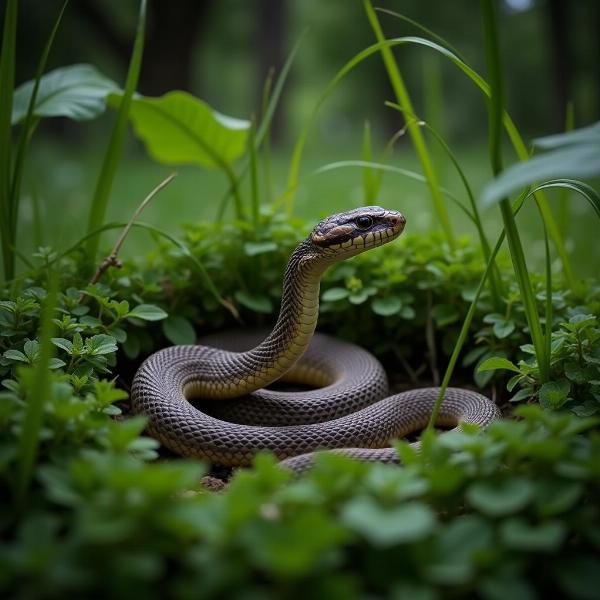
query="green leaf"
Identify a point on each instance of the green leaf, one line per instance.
(148, 312)
(554, 394)
(522, 394)
(16, 355)
(500, 498)
(63, 344)
(259, 303)
(102, 344)
(56, 363)
(583, 135)
(445, 314)
(78, 92)
(335, 293)
(254, 248)
(570, 162)
(503, 328)
(132, 346)
(578, 374)
(497, 362)
(178, 128)
(179, 330)
(517, 533)
(386, 527)
(386, 307)
(500, 586)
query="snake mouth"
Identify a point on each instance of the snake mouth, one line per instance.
(369, 240)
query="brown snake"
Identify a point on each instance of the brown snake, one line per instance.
(212, 403)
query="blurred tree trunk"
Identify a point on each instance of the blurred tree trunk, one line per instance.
(271, 41)
(171, 32)
(560, 54)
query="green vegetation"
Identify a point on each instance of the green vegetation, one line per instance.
(86, 507)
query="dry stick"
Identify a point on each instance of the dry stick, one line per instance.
(111, 260)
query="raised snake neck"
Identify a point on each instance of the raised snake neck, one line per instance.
(237, 374)
(350, 412)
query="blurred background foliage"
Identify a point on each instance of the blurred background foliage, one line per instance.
(224, 51)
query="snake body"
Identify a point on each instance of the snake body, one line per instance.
(211, 402)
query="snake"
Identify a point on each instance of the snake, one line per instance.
(228, 398)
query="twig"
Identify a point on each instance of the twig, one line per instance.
(111, 260)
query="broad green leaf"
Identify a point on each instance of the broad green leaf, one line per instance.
(148, 312)
(502, 497)
(386, 307)
(554, 394)
(497, 362)
(179, 330)
(386, 527)
(254, 248)
(178, 128)
(78, 92)
(583, 135)
(502, 585)
(445, 314)
(456, 547)
(102, 344)
(16, 355)
(64, 344)
(56, 363)
(517, 533)
(572, 161)
(259, 303)
(334, 293)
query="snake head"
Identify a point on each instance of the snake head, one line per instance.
(349, 233)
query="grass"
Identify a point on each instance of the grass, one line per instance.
(66, 172)
(114, 149)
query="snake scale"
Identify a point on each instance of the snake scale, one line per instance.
(213, 403)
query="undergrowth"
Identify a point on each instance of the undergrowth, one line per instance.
(87, 510)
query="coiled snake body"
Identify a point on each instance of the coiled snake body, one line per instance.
(212, 403)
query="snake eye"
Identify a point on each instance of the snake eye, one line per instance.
(364, 222)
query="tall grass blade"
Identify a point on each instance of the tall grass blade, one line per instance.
(7, 83)
(370, 184)
(577, 186)
(496, 111)
(517, 141)
(254, 197)
(38, 394)
(563, 198)
(416, 135)
(277, 90)
(495, 280)
(27, 128)
(266, 145)
(434, 36)
(263, 130)
(117, 139)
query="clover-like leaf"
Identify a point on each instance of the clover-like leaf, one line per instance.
(148, 312)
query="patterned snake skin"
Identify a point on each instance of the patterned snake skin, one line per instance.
(211, 402)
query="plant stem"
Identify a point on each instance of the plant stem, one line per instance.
(496, 112)
(112, 259)
(117, 138)
(7, 83)
(414, 130)
(39, 390)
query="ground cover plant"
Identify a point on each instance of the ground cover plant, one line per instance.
(91, 505)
